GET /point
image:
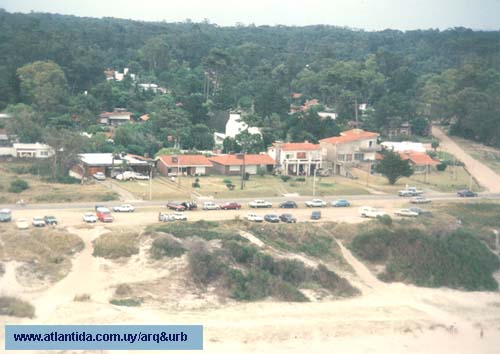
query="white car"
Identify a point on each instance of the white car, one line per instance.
(370, 212)
(99, 176)
(406, 212)
(254, 218)
(141, 177)
(165, 217)
(89, 218)
(179, 216)
(259, 203)
(38, 221)
(315, 203)
(22, 224)
(210, 206)
(124, 208)
(419, 200)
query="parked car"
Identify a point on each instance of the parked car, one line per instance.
(126, 176)
(165, 217)
(288, 204)
(22, 224)
(124, 208)
(419, 200)
(38, 221)
(315, 203)
(89, 218)
(288, 218)
(210, 206)
(340, 203)
(141, 177)
(230, 206)
(370, 212)
(271, 218)
(189, 205)
(410, 192)
(254, 218)
(50, 220)
(176, 206)
(259, 203)
(420, 211)
(104, 214)
(466, 193)
(316, 215)
(406, 212)
(179, 216)
(5, 215)
(100, 176)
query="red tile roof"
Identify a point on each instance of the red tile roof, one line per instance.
(186, 160)
(250, 159)
(296, 95)
(349, 136)
(299, 146)
(144, 117)
(418, 158)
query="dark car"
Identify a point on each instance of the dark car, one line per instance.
(466, 193)
(288, 204)
(50, 220)
(316, 215)
(420, 211)
(189, 205)
(271, 218)
(230, 206)
(288, 218)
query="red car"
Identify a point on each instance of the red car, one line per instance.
(230, 206)
(176, 206)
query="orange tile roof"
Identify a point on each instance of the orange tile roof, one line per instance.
(250, 159)
(418, 158)
(144, 117)
(186, 160)
(299, 146)
(349, 136)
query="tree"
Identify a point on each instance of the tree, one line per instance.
(24, 123)
(435, 144)
(393, 167)
(43, 84)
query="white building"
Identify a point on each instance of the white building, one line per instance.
(37, 150)
(118, 76)
(235, 125)
(298, 159)
(327, 115)
(403, 146)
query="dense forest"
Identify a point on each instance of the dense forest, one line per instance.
(52, 80)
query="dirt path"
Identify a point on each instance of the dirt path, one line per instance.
(124, 194)
(485, 176)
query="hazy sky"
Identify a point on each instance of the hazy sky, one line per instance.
(365, 14)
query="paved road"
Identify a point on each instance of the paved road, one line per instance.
(485, 176)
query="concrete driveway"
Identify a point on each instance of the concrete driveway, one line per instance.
(484, 175)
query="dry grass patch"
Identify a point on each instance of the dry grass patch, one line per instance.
(46, 253)
(12, 306)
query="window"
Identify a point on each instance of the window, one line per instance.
(370, 143)
(359, 157)
(341, 157)
(289, 156)
(301, 155)
(44, 153)
(348, 157)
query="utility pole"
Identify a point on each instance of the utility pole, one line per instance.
(243, 171)
(150, 181)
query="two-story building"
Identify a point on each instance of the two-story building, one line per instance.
(117, 117)
(297, 159)
(354, 147)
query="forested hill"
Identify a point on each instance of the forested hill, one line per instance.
(405, 76)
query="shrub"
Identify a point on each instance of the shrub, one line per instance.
(166, 247)
(204, 265)
(385, 220)
(261, 171)
(126, 302)
(11, 306)
(195, 184)
(116, 245)
(82, 298)
(285, 178)
(442, 166)
(123, 290)
(18, 185)
(300, 179)
(227, 181)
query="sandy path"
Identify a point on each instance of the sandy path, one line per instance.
(484, 175)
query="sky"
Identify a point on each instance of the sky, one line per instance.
(361, 14)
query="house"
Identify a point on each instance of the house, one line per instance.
(234, 126)
(235, 164)
(117, 117)
(109, 163)
(112, 75)
(188, 165)
(152, 87)
(36, 151)
(352, 148)
(420, 161)
(6, 146)
(298, 159)
(403, 146)
(327, 115)
(144, 117)
(404, 129)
